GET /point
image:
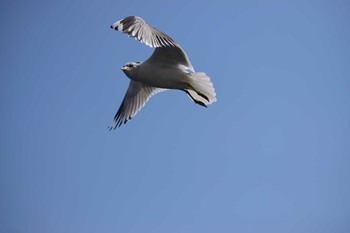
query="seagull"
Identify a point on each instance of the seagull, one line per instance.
(167, 68)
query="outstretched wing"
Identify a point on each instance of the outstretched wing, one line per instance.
(167, 50)
(138, 28)
(135, 98)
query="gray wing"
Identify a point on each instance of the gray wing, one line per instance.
(167, 50)
(138, 28)
(135, 98)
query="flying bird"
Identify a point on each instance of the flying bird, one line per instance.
(167, 68)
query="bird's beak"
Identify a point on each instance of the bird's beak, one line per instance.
(123, 68)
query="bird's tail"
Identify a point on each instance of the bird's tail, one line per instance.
(201, 89)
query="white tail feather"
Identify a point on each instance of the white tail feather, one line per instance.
(201, 85)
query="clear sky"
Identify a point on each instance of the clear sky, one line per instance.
(271, 155)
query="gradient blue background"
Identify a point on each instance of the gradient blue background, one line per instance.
(272, 155)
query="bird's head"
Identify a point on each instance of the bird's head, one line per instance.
(130, 68)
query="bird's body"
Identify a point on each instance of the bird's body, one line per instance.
(167, 68)
(175, 79)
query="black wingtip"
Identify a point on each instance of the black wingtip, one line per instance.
(112, 26)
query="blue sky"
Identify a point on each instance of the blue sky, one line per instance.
(271, 155)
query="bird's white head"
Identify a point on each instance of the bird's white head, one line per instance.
(130, 68)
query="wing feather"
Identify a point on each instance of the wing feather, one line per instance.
(166, 49)
(138, 28)
(135, 98)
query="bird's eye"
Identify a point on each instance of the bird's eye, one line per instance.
(130, 65)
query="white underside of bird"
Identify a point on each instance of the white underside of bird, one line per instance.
(167, 68)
